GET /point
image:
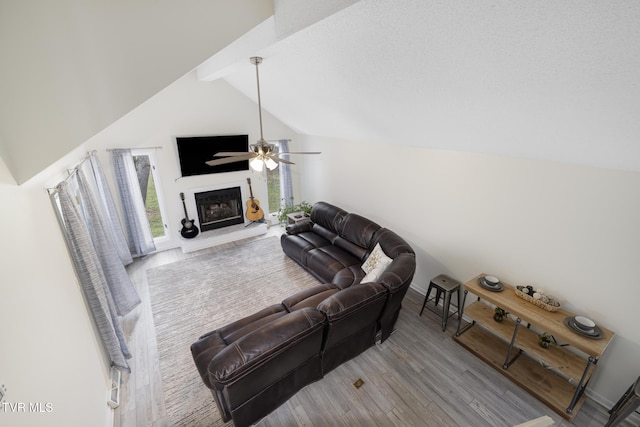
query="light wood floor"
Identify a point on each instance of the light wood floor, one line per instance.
(418, 377)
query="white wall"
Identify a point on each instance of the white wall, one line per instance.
(49, 354)
(572, 230)
(190, 107)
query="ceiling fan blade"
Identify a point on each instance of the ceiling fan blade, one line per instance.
(302, 152)
(231, 153)
(226, 160)
(278, 159)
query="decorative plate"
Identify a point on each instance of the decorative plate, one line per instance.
(596, 333)
(489, 286)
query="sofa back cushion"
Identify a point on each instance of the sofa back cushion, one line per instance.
(355, 250)
(327, 216)
(359, 231)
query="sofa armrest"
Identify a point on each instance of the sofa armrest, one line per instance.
(398, 275)
(265, 344)
(299, 227)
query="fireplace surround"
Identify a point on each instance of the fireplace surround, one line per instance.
(218, 211)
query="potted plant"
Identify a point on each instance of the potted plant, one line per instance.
(286, 209)
(545, 340)
(499, 314)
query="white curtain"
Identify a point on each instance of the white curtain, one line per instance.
(138, 230)
(103, 279)
(108, 208)
(286, 189)
(124, 295)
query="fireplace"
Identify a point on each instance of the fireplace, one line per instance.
(219, 208)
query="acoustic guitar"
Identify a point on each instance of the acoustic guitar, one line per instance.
(189, 229)
(254, 211)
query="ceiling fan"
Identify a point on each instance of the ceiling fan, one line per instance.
(262, 153)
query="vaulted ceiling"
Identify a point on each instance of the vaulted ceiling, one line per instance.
(71, 68)
(549, 80)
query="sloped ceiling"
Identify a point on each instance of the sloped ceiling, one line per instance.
(550, 80)
(71, 68)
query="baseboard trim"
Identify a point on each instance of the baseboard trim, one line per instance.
(634, 418)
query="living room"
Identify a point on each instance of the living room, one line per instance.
(566, 222)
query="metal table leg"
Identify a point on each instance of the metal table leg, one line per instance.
(460, 330)
(581, 385)
(508, 362)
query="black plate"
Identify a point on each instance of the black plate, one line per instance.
(596, 334)
(488, 286)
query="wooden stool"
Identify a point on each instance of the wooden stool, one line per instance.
(447, 285)
(628, 403)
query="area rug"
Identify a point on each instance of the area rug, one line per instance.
(202, 293)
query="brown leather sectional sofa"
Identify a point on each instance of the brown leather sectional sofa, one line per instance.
(254, 365)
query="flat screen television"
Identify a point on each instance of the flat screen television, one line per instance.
(194, 151)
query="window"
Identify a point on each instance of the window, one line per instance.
(144, 161)
(279, 181)
(273, 189)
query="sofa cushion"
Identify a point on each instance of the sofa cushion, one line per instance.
(327, 216)
(324, 232)
(348, 276)
(358, 230)
(327, 261)
(298, 246)
(355, 250)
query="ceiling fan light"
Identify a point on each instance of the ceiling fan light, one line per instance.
(257, 164)
(270, 163)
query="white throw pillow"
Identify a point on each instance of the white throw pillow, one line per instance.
(375, 264)
(374, 274)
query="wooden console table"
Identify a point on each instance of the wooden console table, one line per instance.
(557, 375)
